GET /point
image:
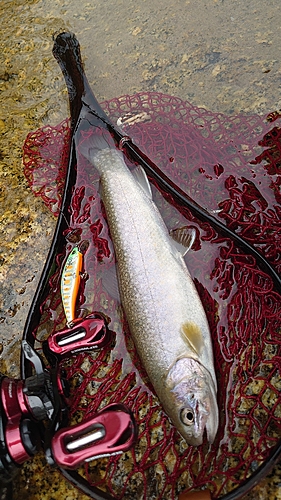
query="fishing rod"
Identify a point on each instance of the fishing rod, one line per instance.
(42, 393)
(66, 51)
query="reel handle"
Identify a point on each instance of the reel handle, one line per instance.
(110, 432)
(91, 332)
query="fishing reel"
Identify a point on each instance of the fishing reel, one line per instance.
(24, 405)
(34, 411)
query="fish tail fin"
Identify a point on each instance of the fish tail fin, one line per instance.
(93, 141)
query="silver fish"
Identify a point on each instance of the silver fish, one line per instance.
(165, 315)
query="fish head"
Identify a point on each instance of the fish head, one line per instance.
(193, 401)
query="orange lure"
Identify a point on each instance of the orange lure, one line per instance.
(70, 282)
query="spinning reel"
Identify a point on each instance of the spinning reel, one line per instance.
(33, 411)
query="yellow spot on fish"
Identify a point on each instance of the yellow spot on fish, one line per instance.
(192, 335)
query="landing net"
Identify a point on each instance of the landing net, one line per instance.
(230, 166)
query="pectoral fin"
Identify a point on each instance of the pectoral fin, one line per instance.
(192, 335)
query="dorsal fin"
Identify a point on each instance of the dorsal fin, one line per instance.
(192, 335)
(141, 178)
(183, 238)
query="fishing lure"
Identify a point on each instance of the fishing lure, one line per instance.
(70, 281)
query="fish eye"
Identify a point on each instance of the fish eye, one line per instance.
(187, 416)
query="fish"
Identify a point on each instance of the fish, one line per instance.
(70, 281)
(165, 315)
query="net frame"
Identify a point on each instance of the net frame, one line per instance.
(242, 190)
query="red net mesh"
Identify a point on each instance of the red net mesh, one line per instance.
(226, 164)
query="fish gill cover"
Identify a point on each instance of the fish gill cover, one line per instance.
(230, 166)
